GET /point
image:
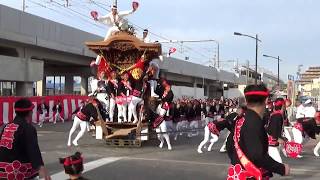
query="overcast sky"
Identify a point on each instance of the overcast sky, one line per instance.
(288, 28)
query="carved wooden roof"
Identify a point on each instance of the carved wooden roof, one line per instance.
(122, 41)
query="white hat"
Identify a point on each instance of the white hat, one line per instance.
(308, 101)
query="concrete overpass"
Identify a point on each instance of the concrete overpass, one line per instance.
(183, 73)
(33, 48)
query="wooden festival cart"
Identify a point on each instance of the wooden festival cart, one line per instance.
(119, 52)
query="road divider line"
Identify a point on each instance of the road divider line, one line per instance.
(210, 164)
(88, 167)
(178, 161)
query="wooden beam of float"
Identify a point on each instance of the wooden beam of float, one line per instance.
(122, 41)
(122, 50)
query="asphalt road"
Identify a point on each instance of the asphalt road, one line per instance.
(151, 162)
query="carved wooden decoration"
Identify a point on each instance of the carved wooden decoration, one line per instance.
(123, 49)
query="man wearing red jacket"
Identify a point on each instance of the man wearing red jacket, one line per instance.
(247, 145)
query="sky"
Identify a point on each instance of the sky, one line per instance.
(287, 28)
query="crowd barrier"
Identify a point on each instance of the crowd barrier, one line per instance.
(69, 104)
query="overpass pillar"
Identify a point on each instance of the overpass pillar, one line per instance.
(69, 84)
(41, 88)
(195, 88)
(84, 85)
(208, 90)
(24, 88)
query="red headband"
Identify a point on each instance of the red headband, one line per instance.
(279, 103)
(257, 93)
(24, 109)
(69, 162)
(94, 101)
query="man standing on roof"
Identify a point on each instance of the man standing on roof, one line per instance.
(115, 19)
(145, 37)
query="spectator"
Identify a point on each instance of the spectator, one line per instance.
(57, 109)
(19, 145)
(309, 110)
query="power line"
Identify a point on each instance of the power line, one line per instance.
(82, 16)
(70, 15)
(80, 5)
(67, 13)
(98, 4)
(154, 34)
(41, 5)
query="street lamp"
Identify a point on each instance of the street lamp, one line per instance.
(257, 39)
(278, 58)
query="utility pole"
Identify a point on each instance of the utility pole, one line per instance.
(299, 71)
(247, 73)
(237, 66)
(278, 59)
(256, 71)
(257, 40)
(218, 53)
(279, 71)
(23, 5)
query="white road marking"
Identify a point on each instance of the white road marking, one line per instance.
(88, 167)
(178, 161)
(210, 164)
(104, 161)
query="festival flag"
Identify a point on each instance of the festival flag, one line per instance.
(172, 50)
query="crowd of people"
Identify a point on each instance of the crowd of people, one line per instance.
(191, 114)
(258, 129)
(43, 110)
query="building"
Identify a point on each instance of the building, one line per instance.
(249, 75)
(310, 74)
(311, 89)
(271, 80)
(309, 82)
(264, 76)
